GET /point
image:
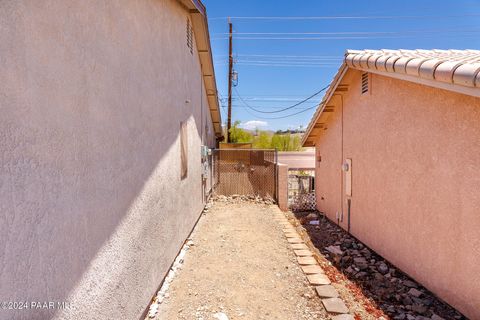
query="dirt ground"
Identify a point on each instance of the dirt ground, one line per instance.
(240, 266)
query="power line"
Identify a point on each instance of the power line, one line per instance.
(223, 112)
(284, 60)
(267, 100)
(281, 117)
(357, 32)
(268, 107)
(294, 114)
(254, 115)
(283, 109)
(290, 62)
(285, 56)
(348, 37)
(364, 17)
(282, 65)
(253, 59)
(312, 63)
(277, 97)
(272, 99)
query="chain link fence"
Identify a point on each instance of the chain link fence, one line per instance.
(245, 172)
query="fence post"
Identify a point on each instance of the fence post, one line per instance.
(282, 182)
(276, 175)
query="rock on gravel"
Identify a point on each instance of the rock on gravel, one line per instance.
(393, 292)
(242, 266)
(335, 250)
(220, 316)
(236, 198)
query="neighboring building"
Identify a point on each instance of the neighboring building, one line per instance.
(397, 140)
(298, 160)
(104, 108)
(295, 178)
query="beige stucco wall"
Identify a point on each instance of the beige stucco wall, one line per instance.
(415, 197)
(92, 208)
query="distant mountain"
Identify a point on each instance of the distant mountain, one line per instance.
(291, 131)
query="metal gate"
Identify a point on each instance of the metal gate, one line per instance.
(245, 172)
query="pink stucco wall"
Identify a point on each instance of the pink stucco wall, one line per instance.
(415, 200)
(92, 207)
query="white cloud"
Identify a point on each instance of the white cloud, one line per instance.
(253, 124)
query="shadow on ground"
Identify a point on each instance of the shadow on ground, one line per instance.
(393, 292)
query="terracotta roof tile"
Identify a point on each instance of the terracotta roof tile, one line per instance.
(456, 70)
(461, 67)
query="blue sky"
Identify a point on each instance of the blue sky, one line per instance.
(273, 74)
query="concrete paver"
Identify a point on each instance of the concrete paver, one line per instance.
(303, 253)
(306, 261)
(343, 317)
(292, 235)
(326, 291)
(335, 305)
(299, 246)
(294, 240)
(312, 269)
(318, 279)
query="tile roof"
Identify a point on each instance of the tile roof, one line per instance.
(455, 70)
(460, 67)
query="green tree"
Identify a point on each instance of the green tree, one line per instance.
(239, 135)
(286, 142)
(263, 140)
(296, 143)
(281, 142)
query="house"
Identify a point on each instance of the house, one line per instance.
(397, 140)
(105, 107)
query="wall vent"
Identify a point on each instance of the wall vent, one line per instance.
(365, 83)
(189, 36)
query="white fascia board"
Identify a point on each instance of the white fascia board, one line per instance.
(326, 98)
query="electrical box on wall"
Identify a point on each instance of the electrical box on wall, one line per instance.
(205, 150)
(348, 177)
(205, 170)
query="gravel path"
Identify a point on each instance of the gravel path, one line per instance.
(240, 266)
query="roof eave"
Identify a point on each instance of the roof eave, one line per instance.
(460, 76)
(195, 5)
(469, 91)
(326, 98)
(453, 70)
(202, 38)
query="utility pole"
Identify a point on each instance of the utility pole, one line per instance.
(230, 75)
